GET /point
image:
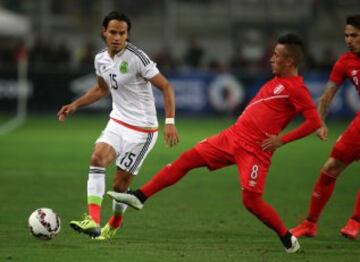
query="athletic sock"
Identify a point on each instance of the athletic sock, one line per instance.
(118, 214)
(172, 173)
(95, 192)
(322, 192)
(263, 211)
(286, 240)
(116, 221)
(356, 213)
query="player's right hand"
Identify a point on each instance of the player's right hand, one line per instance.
(171, 136)
(65, 111)
(322, 132)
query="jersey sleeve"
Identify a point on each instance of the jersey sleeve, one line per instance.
(300, 98)
(338, 73)
(97, 66)
(311, 123)
(146, 67)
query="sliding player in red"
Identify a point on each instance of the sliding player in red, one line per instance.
(251, 141)
(347, 148)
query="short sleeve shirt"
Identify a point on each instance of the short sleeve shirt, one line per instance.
(127, 76)
(347, 66)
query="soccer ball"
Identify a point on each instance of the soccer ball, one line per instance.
(44, 223)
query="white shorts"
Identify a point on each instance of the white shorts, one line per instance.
(131, 146)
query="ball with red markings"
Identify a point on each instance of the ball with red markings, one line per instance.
(44, 223)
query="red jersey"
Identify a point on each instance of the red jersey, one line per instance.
(274, 106)
(347, 66)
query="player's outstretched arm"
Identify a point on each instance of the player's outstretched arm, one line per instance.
(311, 123)
(170, 133)
(323, 107)
(92, 95)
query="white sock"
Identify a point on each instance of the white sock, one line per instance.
(96, 185)
(118, 208)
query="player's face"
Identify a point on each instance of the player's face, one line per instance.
(352, 38)
(115, 35)
(280, 60)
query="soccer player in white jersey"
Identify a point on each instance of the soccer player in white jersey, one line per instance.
(127, 73)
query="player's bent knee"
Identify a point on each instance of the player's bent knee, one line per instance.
(97, 160)
(251, 200)
(333, 167)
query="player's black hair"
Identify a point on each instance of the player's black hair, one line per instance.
(294, 46)
(114, 15)
(353, 20)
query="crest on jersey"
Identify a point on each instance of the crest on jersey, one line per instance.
(123, 67)
(278, 89)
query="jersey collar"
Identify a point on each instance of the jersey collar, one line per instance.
(118, 54)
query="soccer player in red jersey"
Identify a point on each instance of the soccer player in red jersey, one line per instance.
(347, 148)
(251, 141)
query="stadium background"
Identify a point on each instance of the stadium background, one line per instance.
(216, 55)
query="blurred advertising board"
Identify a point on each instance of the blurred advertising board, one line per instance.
(196, 93)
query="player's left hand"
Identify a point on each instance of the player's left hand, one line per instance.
(322, 132)
(171, 135)
(271, 143)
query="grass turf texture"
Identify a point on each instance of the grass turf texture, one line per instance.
(44, 164)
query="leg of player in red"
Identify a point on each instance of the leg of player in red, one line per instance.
(321, 194)
(166, 177)
(344, 152)
(253, 170)
(351, 229)
(191, 159)
(267, 214)
(173, 172)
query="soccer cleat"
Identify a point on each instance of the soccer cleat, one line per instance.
(107, 232)
(351, 229)
(126, 198)
(306, 228)
(295, 245)
(86, 226)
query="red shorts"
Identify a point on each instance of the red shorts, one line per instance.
(221, 150)
(347, 147)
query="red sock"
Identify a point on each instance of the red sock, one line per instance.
(263, 211)
(322, 192)
(95, 212)
(356, 213)
(115, 221)
(172, 173)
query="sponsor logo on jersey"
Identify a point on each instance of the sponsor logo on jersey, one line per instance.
(278, 89)
(252, 183)
(123, 67)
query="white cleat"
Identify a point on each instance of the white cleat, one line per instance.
(126, 198)
(295, 246)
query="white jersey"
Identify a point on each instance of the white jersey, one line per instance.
(126, 76)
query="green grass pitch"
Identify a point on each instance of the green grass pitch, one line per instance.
(44, 164)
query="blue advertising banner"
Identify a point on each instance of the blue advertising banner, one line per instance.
(196, 92)
(204, 93)
(224, 93)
